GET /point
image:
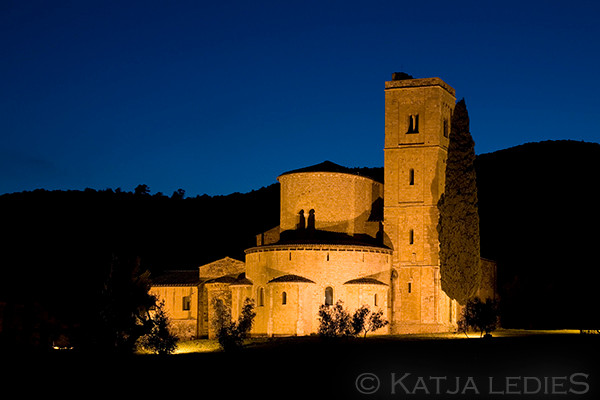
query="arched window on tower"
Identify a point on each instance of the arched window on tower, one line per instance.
(328, 296)
(411, 236)
(284, 298)
(413, 123)
(411, 177)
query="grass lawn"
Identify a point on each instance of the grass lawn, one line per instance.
(514, 363)
(206, 345)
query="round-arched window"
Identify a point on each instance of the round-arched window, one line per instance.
(328, 296)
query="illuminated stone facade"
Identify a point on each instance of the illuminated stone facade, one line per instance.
(188, 295)
(345, 236)
(417, 126)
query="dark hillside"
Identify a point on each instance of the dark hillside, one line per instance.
(538, 215)
(539, 219)
(57, 245)
(165, 232)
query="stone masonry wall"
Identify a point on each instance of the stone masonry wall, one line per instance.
(417, 117)
(183, 321)
(325, 266)
(342, 202)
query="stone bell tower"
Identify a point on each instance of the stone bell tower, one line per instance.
(417, 127)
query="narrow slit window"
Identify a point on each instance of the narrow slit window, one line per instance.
(446, 127)
(411, 236)
(411, 177)
(186, 303)
(409, 287)
(375, 299)
(261, 297)
(284, 298)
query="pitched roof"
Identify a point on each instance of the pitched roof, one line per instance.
(242, 280)
(328, 166)
(218, 268)
(325, 237)
(325, 166)
(176, 278)
(223, 279)
(290, 278)
(364, 281)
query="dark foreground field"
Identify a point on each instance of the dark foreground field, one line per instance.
(507, 366)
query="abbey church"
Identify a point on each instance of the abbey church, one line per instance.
(344, 236)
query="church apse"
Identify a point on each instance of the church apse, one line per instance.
(326, 199)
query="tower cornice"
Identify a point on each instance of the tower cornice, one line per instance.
(415, 83)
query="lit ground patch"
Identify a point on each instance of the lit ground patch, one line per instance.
(207, 346)
(197, 346)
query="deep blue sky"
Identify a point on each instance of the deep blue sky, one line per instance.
(223, 96)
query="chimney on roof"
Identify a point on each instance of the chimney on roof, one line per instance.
(401, 76)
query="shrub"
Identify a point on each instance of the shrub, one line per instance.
(479, 316)
(366, 321)
(375, 321)
(335, 321)
(230, 334)
(159, 340)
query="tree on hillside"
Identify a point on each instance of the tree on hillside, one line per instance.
(141, 190)
(179, 194)
(458, 225)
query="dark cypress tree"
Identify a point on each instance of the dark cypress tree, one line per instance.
(458, 225)
(125, 303)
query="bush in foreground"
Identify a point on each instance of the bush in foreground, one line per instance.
(480, 316)
(336, 321)
(231, 334)
(160, 340)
